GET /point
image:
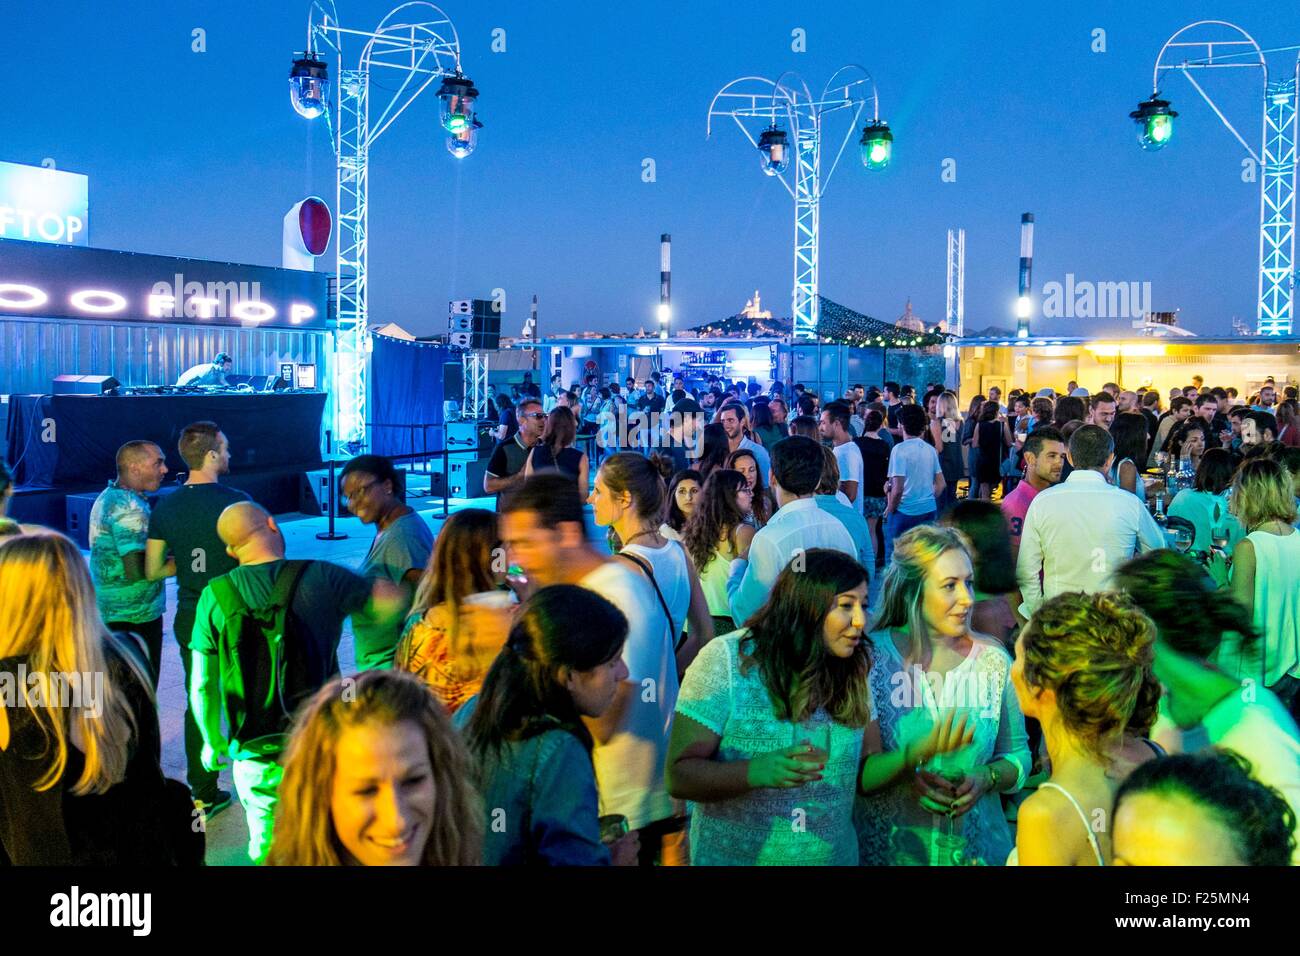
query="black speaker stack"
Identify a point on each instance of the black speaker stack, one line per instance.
(474, 324)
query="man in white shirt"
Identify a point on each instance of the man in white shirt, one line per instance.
(1076, 534)
(797, 526)
(733, 417)
(208, 373)
(543, 529)
(834, 427)
(915, 479)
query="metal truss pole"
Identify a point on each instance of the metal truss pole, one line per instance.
(755, 98)
(417, 43)
(1276, 160)
(956, 311)
(1277, 210)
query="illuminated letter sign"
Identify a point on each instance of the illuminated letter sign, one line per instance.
(44, 205)
(64, 282)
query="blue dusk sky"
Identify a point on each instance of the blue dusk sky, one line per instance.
(200, 154)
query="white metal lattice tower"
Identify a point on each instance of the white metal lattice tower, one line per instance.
(416, 43)
(1223, 45)
(956, 310)
(759, 102)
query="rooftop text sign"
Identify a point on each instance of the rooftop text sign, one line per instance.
(65, 282)
(40, 204)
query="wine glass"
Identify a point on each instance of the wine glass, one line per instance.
(815, 732)
(1183, 539)
(1219, 537)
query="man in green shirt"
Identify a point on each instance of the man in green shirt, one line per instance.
(324, 596)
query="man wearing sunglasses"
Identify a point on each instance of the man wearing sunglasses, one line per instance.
(505, 470)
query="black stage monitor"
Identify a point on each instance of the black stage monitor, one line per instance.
(84, 384)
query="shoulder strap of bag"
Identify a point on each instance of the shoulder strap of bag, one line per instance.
(644, 565)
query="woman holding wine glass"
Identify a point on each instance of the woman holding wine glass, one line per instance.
(770, 720)
(1205, 504)
(929, 669)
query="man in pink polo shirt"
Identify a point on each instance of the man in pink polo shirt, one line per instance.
(1044, 461)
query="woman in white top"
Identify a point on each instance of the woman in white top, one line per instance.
(683, 492)
(716, 535)
(1205, 504)
(1083, 670)
(628, 497)
(929, 669)
(1265, 577)
(769, 724)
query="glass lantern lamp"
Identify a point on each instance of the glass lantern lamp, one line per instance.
(309, 86)
(774, 147)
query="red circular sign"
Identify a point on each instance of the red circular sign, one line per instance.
(315, 223)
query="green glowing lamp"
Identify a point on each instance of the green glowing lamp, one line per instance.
(877, 144)
(1155, 122)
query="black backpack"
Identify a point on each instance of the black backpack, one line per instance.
(265, 661)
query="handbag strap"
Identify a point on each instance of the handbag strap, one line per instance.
(644, 565)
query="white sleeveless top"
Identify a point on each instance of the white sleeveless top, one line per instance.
(671, 574)
(1014, 858)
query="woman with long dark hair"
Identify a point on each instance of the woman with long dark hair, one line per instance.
(764, 428)
(746, 462)
(561, 664)
(508, 422)
(716, 535)
(1069, 408)
(460, 617)
(930, 675)
(991, 440)
(556, 451)
(374, 775)
(1204, 706)
(1205, 504)
(714, 450)
(770, 720)
(1189, 440)
(1129, 429)
(683, 493)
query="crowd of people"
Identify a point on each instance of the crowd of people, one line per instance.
(1083, 649)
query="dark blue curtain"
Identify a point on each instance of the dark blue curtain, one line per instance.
(406, 390)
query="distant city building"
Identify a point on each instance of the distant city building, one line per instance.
(754, 309)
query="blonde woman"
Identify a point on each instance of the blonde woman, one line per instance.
(1265, 577)
(1083, 668)
(374, 775)
(931, 678)
(945, 435)
(80, 781)
(460, 618)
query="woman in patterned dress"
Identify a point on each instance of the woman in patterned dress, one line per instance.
(459, 619)
(930, 671)
(768, 731)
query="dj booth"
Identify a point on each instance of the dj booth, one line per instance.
(72, 440)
